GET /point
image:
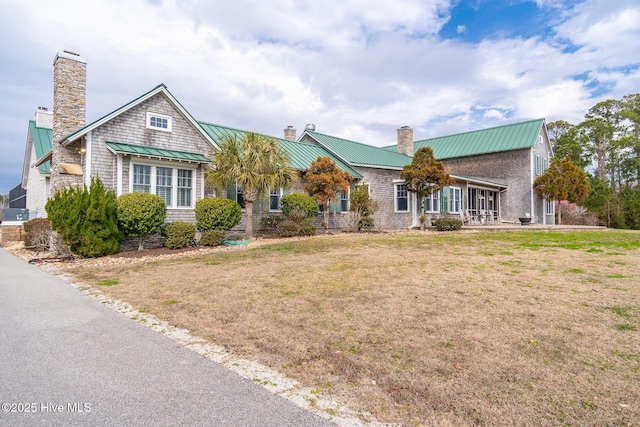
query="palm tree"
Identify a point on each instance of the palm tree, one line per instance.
(255, 163)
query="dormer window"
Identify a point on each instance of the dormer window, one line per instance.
(158, 122)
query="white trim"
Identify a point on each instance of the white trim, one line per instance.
(159, 89)
(151, 115)
(174, 180)
(395, 197)
(119, 174)
(87, 159)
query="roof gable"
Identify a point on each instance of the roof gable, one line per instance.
(41, 138)
(160, 89)
(484, 141)
(301, 154)
(359, 154)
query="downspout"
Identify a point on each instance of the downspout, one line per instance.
(532, 178)
(414, 209)
(118, 174)
(87, 159)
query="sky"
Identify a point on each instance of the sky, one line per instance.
(357, 69)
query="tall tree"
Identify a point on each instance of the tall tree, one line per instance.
(424, 175)
(324, 182)
(255, 163)
(563, 180)
(599, 131)
(556, 130)
(631, 115)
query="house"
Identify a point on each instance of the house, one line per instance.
(493, 169)
(153, 144)
(36, 180)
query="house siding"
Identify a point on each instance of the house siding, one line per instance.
(36, 189)
(130, 128)
(382, 190)
(509, 167)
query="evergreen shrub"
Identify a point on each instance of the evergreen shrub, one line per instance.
(217, 213)
(178, 234)
(213, 237)
(86, 219)
(298, 206)
(140, 215)
(447, 224)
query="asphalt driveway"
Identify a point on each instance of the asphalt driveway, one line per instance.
(65, 359)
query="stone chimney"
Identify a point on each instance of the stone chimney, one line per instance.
(290, 133)
(69, 110)
(405, 140)
(44, 118)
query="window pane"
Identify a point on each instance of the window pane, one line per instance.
(142, 178)
(184, 187)
(344, 201)
(164, 177)
(239, 197)
(402, 199)
(274, 200)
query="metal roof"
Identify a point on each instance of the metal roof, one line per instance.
(301, 155)
(42, 138)
(156, 153)
(484, 141)
(359, 154)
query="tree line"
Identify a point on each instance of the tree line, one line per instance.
(606, 146)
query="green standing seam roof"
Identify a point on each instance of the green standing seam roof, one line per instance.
(42, 138)
(301, 154)
(360, 154)
(159, 153)
(492, 140)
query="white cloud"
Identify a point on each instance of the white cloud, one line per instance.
(357, 68)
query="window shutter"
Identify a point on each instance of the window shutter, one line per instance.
(231, 192)
(444, 200)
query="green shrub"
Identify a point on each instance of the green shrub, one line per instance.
(269, 223)
(447, 224)
(366, 222)
(86, 220)
(288, 228)
(213, 237)
(38, 233)
(140, 215)
(362, 208)
(298, 206)
(217, 213)
(178, 234)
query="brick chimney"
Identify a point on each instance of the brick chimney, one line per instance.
(69, 111)
(405, 140)
(290, 133)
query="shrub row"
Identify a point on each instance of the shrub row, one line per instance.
(447, 224)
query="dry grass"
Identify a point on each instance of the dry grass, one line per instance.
(515, 328)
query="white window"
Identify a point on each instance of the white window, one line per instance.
(184, 187)
(344, 201)
(142, 178)
(401, 198)
(158, 122)
(455, 199)
(163, 184)
(174, 186)
(550, 207)
(274, 199)
(432, 202)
